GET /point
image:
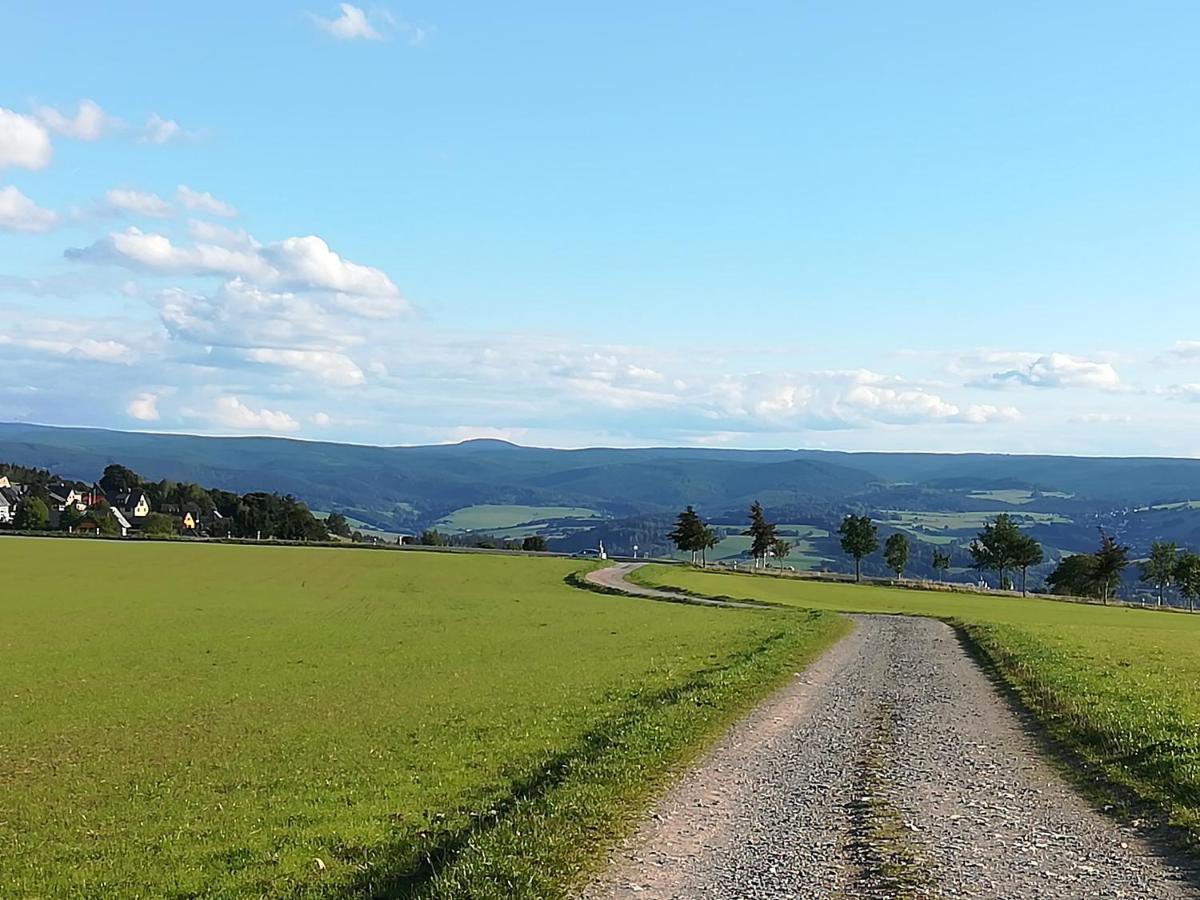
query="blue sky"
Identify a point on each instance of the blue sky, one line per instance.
(856, 225)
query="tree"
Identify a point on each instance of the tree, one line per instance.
(70, 518)
(338, 524)
(1111, 560)
(1074, 576)
(998, 547)
(158, 525)
(859, 539)
(535, 543)
(895, 553)
(1187, 576)
(32, 515)
(689, 533)
(780, 549)
(711, 538)
(1159, 568)
(941, 563)
(761, 533)
(1026, 552)
(118, 479)
(430, 537)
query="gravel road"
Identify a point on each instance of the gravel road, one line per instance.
(889, 768)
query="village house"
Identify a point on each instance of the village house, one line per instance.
(64, 495)
(134, 504)
(9, 498)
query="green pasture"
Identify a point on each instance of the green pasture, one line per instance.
(963, 521)
(493, 517)
(804, 555)
(1117, 684)
(228, 721)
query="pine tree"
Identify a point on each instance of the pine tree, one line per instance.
(690, 534)
(761, 532)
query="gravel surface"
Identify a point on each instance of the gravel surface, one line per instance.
(889, 768)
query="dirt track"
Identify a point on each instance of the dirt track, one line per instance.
(889, 768)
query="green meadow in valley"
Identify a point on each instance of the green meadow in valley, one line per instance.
(184, 720)
(1116, 684)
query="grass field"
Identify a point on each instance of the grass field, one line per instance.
(1118, 685)
(495, 517)
(204, 721)
(962, 521)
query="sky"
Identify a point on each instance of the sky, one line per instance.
(863, 226)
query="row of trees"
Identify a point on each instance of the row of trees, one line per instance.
(1090, 574)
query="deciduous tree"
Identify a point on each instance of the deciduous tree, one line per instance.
(895, 553)
(859, 540)
(32, 515)
(1187, 576)
(1159, 568)
(780, 548)
(1111, 560)
(941, 563)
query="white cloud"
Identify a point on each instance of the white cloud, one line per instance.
(1100, 418)
(202, 201)
(211, 233)
(321, 419)
(231, 412)
(19, 213)
(90, 122)
(72, 339)
(1185, 351)
(352, 24)
(1049, 370)
(325, 365)
(158, 130)
(143, 407)
(242, 315)
(24, 142)
(297, 263)
(1188, 392)
(141, 203)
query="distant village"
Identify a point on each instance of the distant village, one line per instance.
(123, 504)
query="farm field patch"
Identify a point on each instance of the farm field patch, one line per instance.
(1114, 683)
(188, 720)
(495, 517)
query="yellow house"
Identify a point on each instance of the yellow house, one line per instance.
(189, 522)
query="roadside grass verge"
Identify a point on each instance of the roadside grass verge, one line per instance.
(1114, 686)
(219, 721)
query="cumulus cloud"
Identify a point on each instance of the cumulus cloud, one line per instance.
(90, 122)
(1184, 351)
(143, 407)
(140, 203)
(158, 130)
(24, 141)
(230, 412)
(321, 419)
(71, 339)
(352, 24)
(1186, 392)
(19, 213)
(242, 315)
(202, 201)
(1049, 370)
(298, 263)
(325, 365)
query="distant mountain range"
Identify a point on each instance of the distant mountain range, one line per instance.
(406, 488)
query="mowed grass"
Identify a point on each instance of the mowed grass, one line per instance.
(226, 721)
(1115, 684)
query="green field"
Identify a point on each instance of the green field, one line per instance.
(803, 556)
(204, 721)
(1116, 684)
(493, 518)
(962, 521)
